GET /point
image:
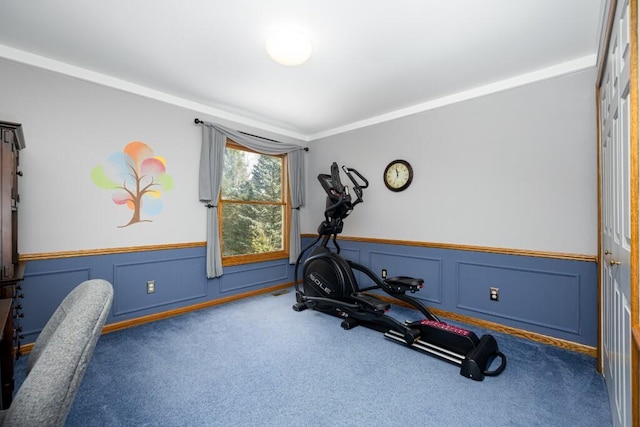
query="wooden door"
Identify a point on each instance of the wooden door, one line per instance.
(617, 204)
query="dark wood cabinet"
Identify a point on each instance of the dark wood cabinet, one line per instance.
(12, 142)
(11, 269)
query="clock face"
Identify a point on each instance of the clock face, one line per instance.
(398, 175)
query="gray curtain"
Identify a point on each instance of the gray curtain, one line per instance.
(211, 164)
(214, 139)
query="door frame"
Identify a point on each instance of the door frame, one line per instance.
(634, 206)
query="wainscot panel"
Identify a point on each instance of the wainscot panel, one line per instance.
(554, 295)
(351, 254)
(238, 278)
(549, 299)
(43, 292)
(176, 280)
(179, 275)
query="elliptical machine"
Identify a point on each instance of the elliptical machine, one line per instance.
(330, 286)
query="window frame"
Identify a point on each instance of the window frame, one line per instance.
(231, 260)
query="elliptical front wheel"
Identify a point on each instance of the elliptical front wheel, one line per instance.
(349, 323)
(300, 306)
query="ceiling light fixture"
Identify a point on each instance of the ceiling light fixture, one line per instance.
(288, 46)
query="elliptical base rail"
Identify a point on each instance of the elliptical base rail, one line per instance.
(473, 365)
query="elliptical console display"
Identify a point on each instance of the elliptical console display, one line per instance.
(329, 285)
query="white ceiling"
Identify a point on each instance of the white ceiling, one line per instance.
(373, 60)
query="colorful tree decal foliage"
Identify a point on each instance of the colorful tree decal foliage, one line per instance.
(138, 179)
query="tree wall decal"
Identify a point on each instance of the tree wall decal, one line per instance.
(138, 179)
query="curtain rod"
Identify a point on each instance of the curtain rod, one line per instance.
(200, 122)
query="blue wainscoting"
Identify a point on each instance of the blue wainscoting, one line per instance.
(179, 275)
(553, 296)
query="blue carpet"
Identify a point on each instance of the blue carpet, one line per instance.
(256, 362)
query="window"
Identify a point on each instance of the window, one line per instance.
(253, 209)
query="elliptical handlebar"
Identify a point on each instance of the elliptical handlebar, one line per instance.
(339, 202)
(357, 186)
(342, 199)
(335, 178)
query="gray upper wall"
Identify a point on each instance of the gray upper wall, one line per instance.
(515, 169)
(71, 126)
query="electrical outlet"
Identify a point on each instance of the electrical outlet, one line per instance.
(151, 286)
(384, 273)
(494, 294)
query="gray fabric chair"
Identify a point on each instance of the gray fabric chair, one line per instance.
(60, 356)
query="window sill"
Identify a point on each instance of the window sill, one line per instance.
(253, 258)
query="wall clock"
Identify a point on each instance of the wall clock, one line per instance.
(398, 175)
